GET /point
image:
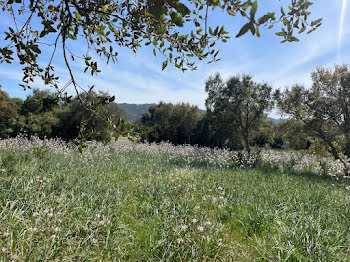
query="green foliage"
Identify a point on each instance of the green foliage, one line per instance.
(168, 122)
(177, 29)
(41, 124)
(76, 117)
(8, 115)
(216, 130)
(265, 134)
(241, 102)
(40, 102)
(44, 115)
(324, 109)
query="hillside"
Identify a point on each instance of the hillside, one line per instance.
(134, 111)
(273, 119)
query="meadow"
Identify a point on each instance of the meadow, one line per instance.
(159, 202)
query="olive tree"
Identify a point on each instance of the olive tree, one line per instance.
(240, 101)
(324, 108)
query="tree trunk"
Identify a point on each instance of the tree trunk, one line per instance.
(246, 142)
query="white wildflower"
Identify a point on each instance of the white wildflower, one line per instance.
(183, 227)
(94, 240)
(32, 229)
(179, 240)
(200, 228)
(208, 223)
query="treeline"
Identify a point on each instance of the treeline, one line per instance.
(183, 124)
(318, 118)
(45, 115)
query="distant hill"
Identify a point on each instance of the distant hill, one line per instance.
(135, 111)
(273, 119)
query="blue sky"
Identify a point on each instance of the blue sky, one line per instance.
(138, 78)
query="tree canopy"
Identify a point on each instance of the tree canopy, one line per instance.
(8, 114)
(324, 108)
(168, 122)
(179, 30)
(241, 101)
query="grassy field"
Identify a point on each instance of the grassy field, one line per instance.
(128, 205)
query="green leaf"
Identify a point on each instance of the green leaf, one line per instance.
(155, 42)
(36, 49)
(257, 32)
(244, 30)
(116, 136)
(280, 33)
(230, 12)
(313, 23)
(282, 11)
(181, 8)
(293, 39)
(265, 18)
(246, 5)
(302, 29)
(177, 19)
(253, 8)
(165, 63)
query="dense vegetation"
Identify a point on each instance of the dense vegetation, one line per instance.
(44, 115)
(159, 202)
(235, 116)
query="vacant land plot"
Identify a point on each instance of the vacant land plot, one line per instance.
(121, 203)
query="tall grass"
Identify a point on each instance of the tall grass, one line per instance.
(151, 203)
